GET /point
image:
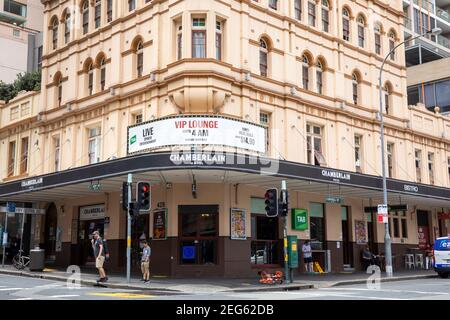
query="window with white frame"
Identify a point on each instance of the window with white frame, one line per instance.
(390, 159)
(198, 38)
(273, 4)
(345, 24)
(179, 41)
(67, 26)
(57, 153)
(377, 38)
(398, 224)
(55, 33)
(263, 57)
(264, 120)
(392, 40)
(85, 12)
(418, 165)
(137, 118)
(431, 166)
(102, 74)
(319, 77)
(325, 16)
(94, 144)
(219, 37)
(131, 5)
(358, 153)
(305, 72)
(109, 10)
(312, 13)
(361, 31)
(97, 13)
(298, 9)
(314, 148)
(91, 79)
(14, 113)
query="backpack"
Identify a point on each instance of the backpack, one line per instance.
(106, 250)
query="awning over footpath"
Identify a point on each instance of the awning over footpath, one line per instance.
(164, 167)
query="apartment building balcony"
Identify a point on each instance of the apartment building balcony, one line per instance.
(13, 12)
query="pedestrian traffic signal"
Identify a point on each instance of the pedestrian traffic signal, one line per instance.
(125, 195)
(143, 196)
(271, 202)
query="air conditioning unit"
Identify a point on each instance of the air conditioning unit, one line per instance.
(152, 77)
(39, 117)
(248, 76)
(112, 91)
(69, 107)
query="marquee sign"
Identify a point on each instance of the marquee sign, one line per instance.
(196, 130)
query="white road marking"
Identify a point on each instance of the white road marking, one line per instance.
(24, 299)
(65, 296)
(11, 289)
(388, 290)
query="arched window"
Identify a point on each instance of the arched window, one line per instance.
(55, 28)
(325, 15)
(102, 74)
(319, 77)
(355, 88)
(139, 59)
(263, 57)
(91, 79)
(85, 13)
(392, 39)
(67, 26)
(361, 31)
(345, 24)
(60, 91)
(98, 13)
(377, 37)
(305, 72)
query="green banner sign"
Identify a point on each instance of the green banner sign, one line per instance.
(299, 219)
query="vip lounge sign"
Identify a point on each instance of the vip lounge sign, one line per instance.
(196, 130)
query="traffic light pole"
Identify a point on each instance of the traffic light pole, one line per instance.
(130, 181)
(285, 240)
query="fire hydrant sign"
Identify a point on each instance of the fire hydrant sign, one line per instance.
(382, 213)
(196, 130)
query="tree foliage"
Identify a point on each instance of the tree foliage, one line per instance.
(30, 81)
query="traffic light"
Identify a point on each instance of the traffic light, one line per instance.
(284, 203)
(143, 196)
(124, 195)
(271, 201)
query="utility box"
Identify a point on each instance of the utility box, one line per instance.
(292, 252)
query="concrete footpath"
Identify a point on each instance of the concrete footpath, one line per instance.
(212, 285)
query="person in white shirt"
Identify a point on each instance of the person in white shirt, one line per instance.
(307, 256)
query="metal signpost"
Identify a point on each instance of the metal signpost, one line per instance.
(130, 181)
(286, 257)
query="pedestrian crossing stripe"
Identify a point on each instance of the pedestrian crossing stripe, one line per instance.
(123, 295)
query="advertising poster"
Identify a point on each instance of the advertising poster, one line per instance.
(160, 224)
(237, 224)
(424, 237)
(196, 130)
(360, 232)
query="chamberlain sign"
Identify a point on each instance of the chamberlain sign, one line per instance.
(196, 130)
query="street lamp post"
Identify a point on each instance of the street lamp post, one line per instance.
(387, 237)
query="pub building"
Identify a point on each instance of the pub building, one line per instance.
(165, 92)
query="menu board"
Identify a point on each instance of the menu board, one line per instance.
(237, 224)
(160, 224)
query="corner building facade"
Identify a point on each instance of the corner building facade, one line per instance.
(303, 72)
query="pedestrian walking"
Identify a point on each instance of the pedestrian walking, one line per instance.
(99, 254)
(307, 256)
(428, 258)
(145, 261)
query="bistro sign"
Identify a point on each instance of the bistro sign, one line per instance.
(196, 130)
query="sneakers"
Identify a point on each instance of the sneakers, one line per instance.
(103, 279)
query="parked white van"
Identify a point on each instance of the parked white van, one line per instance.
(442, 256)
